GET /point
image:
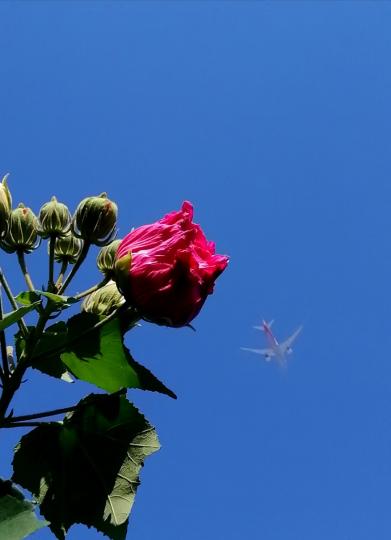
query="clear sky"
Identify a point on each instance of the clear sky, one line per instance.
(274, 119)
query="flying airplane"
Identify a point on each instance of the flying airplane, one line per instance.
(275, 349)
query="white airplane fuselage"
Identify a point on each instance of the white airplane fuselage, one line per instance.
(275, 349)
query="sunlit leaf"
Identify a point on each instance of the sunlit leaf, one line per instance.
(26, 298)
(58, 299)
(17, 517)
(15, 316)
(100, 358)
(85, 470)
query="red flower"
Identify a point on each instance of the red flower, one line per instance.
(172, 270)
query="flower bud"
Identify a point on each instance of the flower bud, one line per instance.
(166, 270)
(95, 220)
(54, 219)
(106, 258)
(22, 231)
(5, 206)
(103, 301)
(67, 248)
(121, 272)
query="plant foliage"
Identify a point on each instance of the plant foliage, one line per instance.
(84, 467)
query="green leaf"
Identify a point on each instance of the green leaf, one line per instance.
(59, 300)
(17, 517)
(85, 470)
(15, 316)
(99, 357)
(147, 380)
(50, 365)
(27, 298)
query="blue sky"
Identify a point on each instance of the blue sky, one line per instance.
(274, 119)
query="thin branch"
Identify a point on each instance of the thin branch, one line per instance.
(63, 269)
(79, 262)
(12, 301)
(23, 266)
(22, 424)
(92, 289)
(16, 377)
(3, 345)
(16, 421)
(44, 414)
(52, 241)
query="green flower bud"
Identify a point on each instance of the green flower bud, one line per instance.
(54, 219)
(106, 258)
(67, 248)
(5, 206)
(121, 272)
(22, 231)
(95, 220)
(103, 301)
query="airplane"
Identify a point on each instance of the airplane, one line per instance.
(275, 349)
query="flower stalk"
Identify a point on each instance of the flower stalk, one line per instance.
(92, 289)
(5, 372)
(75, 268)
(11, 299)
(52, 242)
(25, 272)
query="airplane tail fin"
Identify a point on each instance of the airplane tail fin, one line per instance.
(264, 323)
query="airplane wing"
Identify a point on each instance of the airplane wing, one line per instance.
(288, 342)
(267, 353)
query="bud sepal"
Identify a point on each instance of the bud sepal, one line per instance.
(5, 206)
(54, 219)
(22, 234)
(95, 220)
(107, 258)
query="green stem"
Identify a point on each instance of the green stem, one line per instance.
(43, 414)
(26, 419)
(23, 266)
(79, 262)
(12, 301)
(52, 241)
(15, 379)
(92, 289)
(22, 424)
(63, 269)
(3, 345)
(12, 385)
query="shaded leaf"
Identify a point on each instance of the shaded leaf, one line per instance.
(50, 365)
(86, 469)
(15, 316)
(147, 380)
(17, 517)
